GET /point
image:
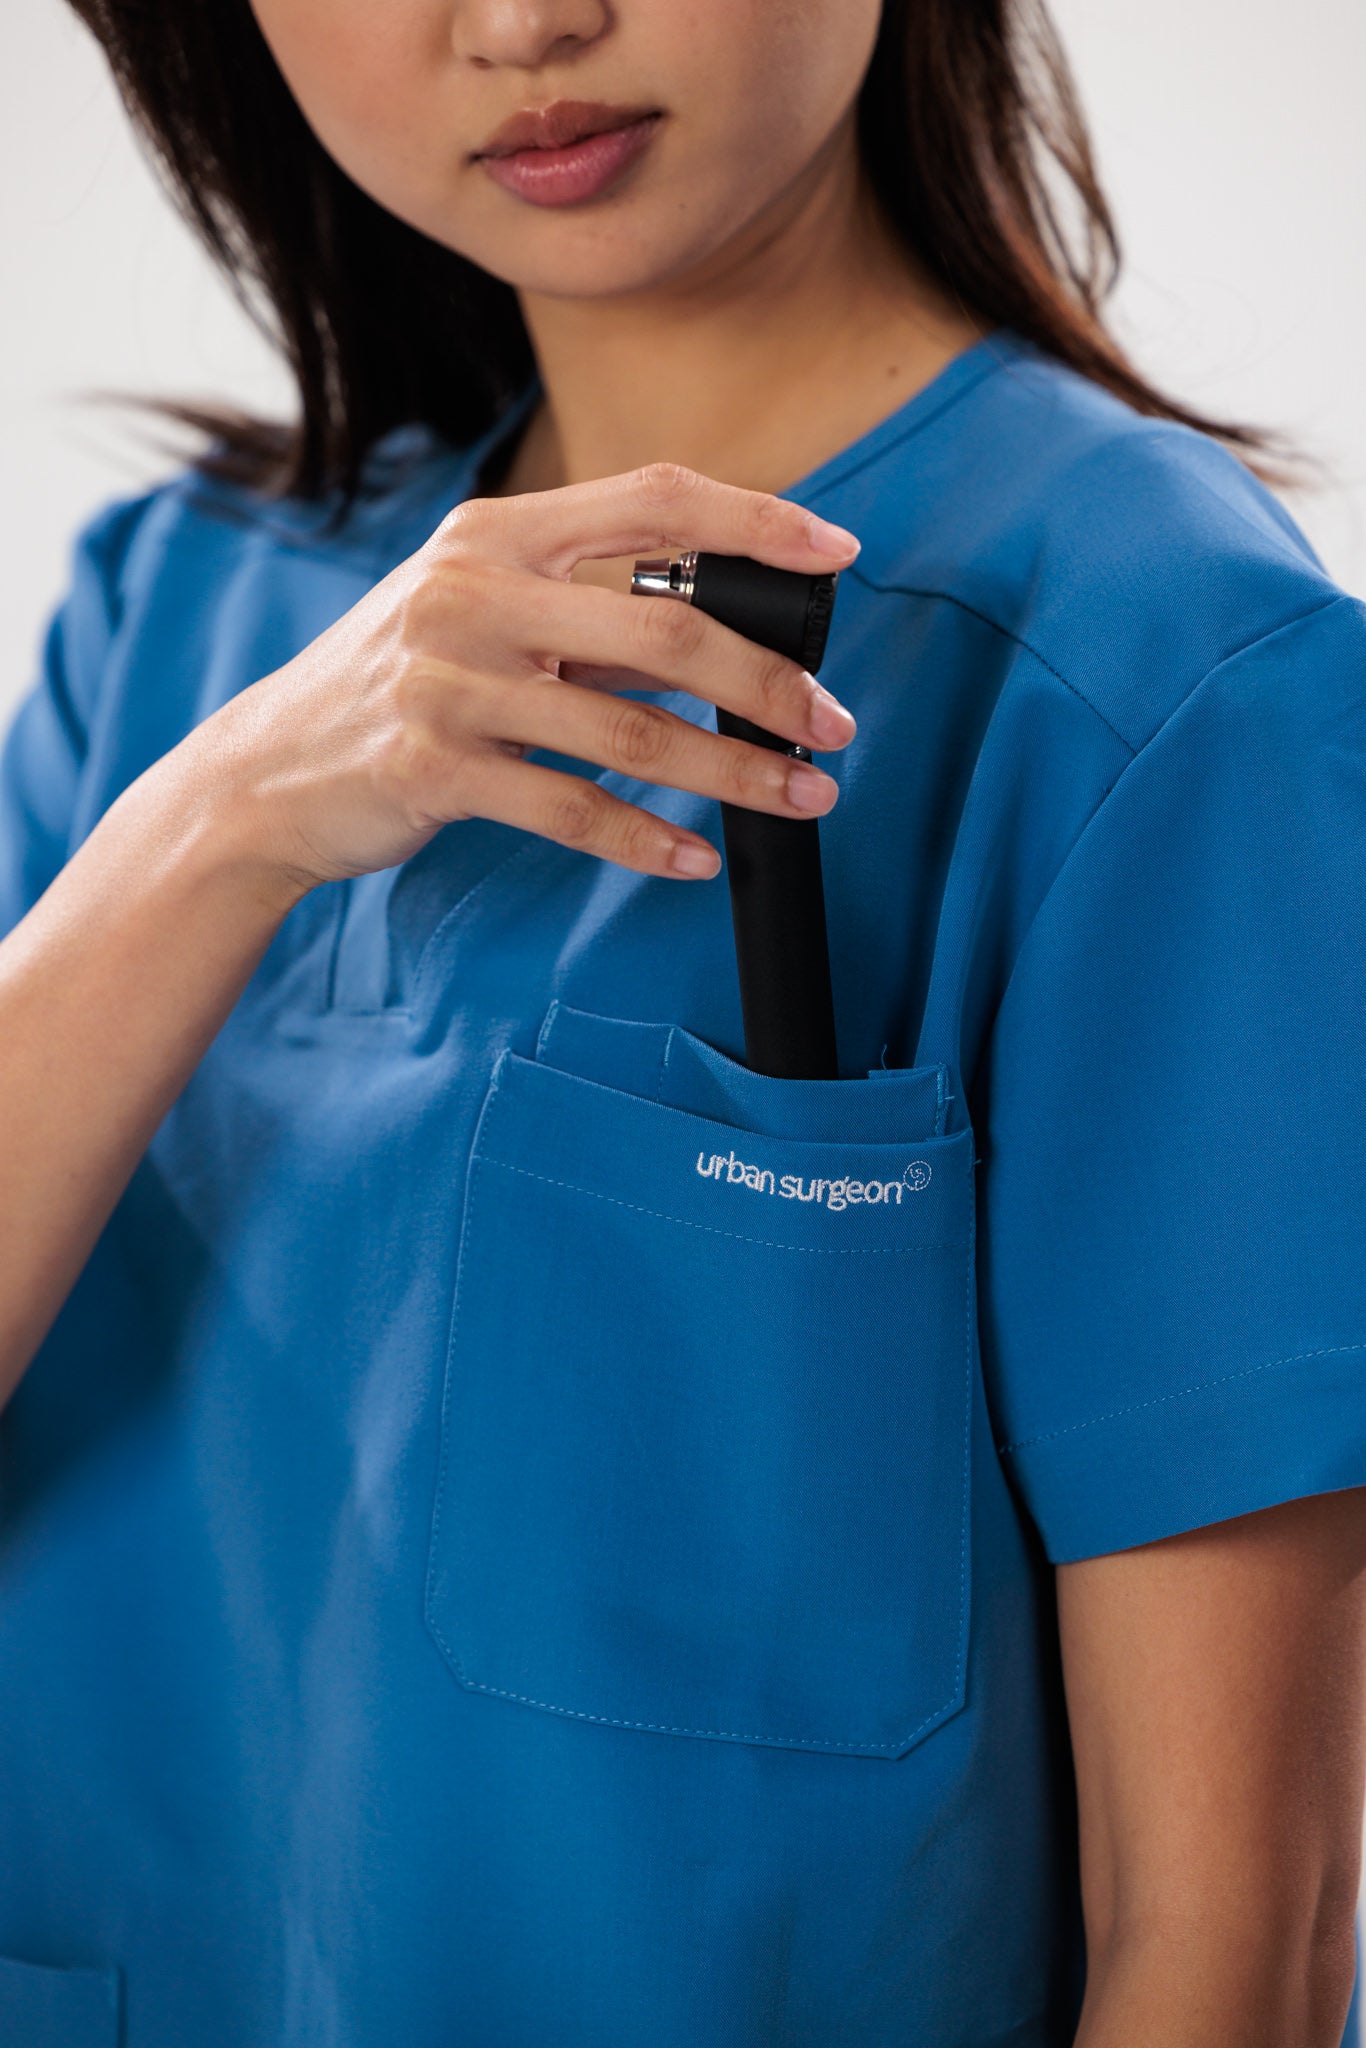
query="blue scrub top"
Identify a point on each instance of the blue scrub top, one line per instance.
(527, 1532)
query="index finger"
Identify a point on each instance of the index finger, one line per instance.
(661, 505)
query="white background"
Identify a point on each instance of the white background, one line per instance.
(1229, 131)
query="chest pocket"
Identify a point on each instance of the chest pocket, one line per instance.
(704, 1460)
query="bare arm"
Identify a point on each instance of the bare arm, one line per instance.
(1216, 1688)
(413, 710)
(110, 992)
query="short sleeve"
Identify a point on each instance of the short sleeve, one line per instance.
(45, 747)
(1172, 1187)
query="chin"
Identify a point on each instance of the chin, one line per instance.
(602, 251)
(584, 281)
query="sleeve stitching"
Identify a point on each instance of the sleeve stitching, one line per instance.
(1049, 1436)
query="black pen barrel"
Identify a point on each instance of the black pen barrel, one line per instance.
(777, 906)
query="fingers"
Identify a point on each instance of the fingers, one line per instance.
(662, 505)
(653, 744)
(680, 647)
(578, 813)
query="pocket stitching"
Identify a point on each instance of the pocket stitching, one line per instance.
(833, 1251)
(712, 1734)
(898, 1745)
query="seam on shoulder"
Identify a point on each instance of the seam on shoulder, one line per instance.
(1326, 604)
(972, 611)
(1338, 597)
(1334, 597)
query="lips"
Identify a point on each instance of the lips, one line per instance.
(569, 152)
(561, 123)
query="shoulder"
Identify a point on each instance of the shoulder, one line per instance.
(192, 514)
(103, 567)
(179, 595)
(195, 571)
(1130, 556)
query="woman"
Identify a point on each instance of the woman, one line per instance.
(518, 1529)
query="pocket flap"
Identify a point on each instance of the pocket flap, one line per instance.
(665, 1063)
(544, 1124)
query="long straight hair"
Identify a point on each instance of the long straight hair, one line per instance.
(970, 132)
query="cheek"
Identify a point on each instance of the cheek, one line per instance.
(791, 64)
(774, 78)
(369, 80)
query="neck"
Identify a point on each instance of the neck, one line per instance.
(806, 329)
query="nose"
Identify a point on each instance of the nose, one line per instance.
(522, 34)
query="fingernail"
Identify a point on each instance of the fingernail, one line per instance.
(831, 724)
(832, 540)
(811, 789)
(688, 858)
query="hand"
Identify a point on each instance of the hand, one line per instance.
(417, 706)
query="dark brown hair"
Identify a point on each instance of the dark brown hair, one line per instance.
(969, 127)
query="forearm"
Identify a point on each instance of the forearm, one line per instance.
(1217, 1986)
(111, 990)
(1215, 1685)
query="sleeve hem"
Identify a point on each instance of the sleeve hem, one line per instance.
(1251, 1439)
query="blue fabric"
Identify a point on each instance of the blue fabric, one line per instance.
(58, 2008)
(526, 1531)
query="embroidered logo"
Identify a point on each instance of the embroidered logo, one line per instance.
(792, 1187)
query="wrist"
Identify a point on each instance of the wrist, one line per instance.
(179, 836)
(199, 819)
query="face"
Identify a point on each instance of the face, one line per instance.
(755, 102)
